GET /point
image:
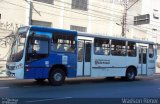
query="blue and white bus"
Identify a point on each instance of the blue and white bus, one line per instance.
(47, 53)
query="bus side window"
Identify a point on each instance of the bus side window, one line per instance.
(118, 48)
(101, 46)
(55, 44)
(151, 51)
(38, 49)
(63, 43)
(131, 49)
(61, 48)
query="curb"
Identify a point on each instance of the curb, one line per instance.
(6, 78)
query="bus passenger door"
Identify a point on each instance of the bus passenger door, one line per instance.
(143, 60)
(84, 58)
(151, 60)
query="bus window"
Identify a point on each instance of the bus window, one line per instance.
(63, 43)
(131, 49)
(88, 52)
(151, 51)
(38, 48)
(101, 46)
(118, 48)
(80, 51)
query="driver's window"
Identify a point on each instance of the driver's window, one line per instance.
(38, 48)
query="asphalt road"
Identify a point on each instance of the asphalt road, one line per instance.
(79, 90)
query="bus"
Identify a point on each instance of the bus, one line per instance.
(48, 53)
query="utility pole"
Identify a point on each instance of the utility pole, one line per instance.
(29, 12)
(124, 21)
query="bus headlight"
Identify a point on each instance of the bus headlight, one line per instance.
(19, 66)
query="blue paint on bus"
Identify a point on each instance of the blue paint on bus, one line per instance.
(38, 68)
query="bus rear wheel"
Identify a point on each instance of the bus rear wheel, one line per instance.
(130, 74)
(56, 77)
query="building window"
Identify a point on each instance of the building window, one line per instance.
(80, 4)
(41, 23)
(78, 28)
(45, 1)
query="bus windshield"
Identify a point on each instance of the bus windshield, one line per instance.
(17, 48)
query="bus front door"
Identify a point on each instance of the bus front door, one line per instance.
(143, 60)
(84, 58)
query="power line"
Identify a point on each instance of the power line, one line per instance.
(66, 10)
(100, 7)
(132, 5)
(95, 6)
(84, 12)
(57, 8)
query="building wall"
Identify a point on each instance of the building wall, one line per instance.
(100, 19)
(12, 16)
(151, 30)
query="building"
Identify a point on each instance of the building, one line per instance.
(148, 31)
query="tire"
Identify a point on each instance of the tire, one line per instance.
(130, 74)
(56, 77)
(40, 79)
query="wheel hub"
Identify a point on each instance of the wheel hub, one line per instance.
(57, 76)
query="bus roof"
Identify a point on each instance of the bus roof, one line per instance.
(117, 38)
(49, 29)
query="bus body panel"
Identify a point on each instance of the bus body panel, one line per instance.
(41, 68)
(108, 65)
(13, 72)
(89, 64)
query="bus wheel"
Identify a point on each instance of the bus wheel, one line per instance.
(130, 74)
(40, 79)
(56, 77)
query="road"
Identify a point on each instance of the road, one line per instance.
(32, 92)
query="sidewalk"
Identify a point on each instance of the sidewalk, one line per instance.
(157, 70)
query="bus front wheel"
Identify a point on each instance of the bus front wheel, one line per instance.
(130, 74)
(56, 77)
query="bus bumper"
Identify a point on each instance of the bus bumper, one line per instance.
(15, 74)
